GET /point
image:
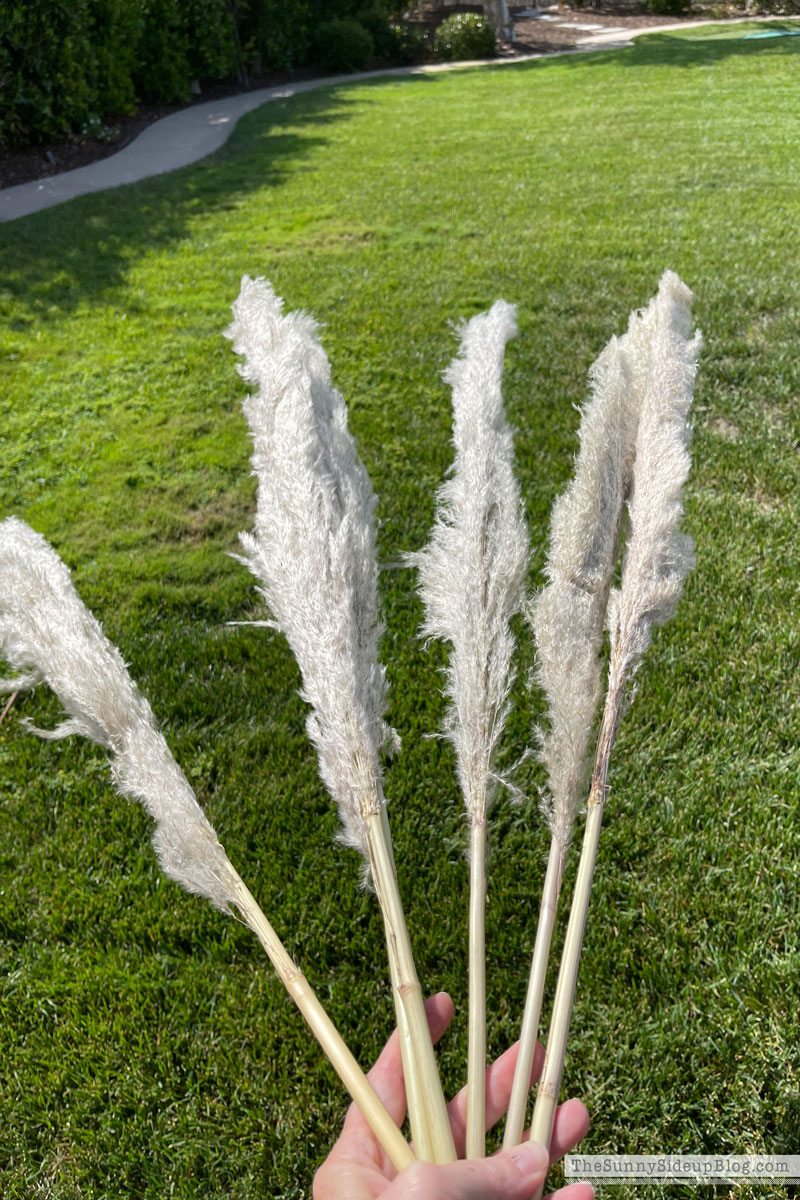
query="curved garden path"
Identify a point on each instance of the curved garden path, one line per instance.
(193, 133)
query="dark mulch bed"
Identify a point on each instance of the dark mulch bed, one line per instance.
(532, 37)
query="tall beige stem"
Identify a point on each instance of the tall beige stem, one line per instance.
(415, 1094)
(417, 1113)
(322, 1027)
(476, 1053)
(520, 1091)
(426, 1089)
(550, 1083)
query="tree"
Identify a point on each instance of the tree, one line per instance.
(496, 13)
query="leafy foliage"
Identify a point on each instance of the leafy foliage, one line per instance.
(274, 33)
(464, 36)
(343, 45)
(779, 7)
(411, 43)
(63, 65)
(669, 6)
(66, 66)
(394, 41)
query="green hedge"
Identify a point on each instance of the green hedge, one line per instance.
(64, 64)
(67, 66)
(669, 6)
(274, 33)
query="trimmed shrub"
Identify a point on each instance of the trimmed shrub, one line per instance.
(384, 40)
(330, 10)
(210, 39)
(343, 45)
(162, 72)
(669, 6)
(66, 65)
(274, 33)
(114, 32)
(182, 40)
(464, 36)
(411, 43)
(395, 42)
(44, 90)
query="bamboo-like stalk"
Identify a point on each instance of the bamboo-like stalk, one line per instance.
(423, 1142)
(5, 711)
(330, 1040)
(382, 867)
(419, 1060)
(476, 1060)
(518, 1105)
(550, 1082)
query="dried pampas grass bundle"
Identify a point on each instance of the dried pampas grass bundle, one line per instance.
(313, 553)
(658, 556)
(567, 619)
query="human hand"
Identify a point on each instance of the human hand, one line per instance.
(358, 1169)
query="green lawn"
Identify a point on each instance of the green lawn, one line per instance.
(146, 1049)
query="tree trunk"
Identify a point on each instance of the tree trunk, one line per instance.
(496, 13)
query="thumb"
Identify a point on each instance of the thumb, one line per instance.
(511, 1175)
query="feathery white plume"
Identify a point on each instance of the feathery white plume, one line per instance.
(641, 386)
(658, 556)
(313, 553)
(655, 564)
(471, 579)
(568, 615)
(47, 632)
(472, 573)
(313, 549)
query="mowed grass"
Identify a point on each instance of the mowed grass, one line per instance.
(146, 1049)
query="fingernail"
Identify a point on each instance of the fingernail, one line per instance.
(530, 1158)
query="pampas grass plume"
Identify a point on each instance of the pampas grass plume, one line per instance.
(472, 573)
(313, 547)
(657, 558)
(313, 553)
(471, 580)
(569, 614)
(47, 633)
(658, 555)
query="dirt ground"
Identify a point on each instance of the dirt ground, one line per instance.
(531, 37)
(542, 37)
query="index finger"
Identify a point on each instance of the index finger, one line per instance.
(386, 1076)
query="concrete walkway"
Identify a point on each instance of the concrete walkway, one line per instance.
(193, 133)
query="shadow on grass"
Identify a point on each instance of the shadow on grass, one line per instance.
(80, 250)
